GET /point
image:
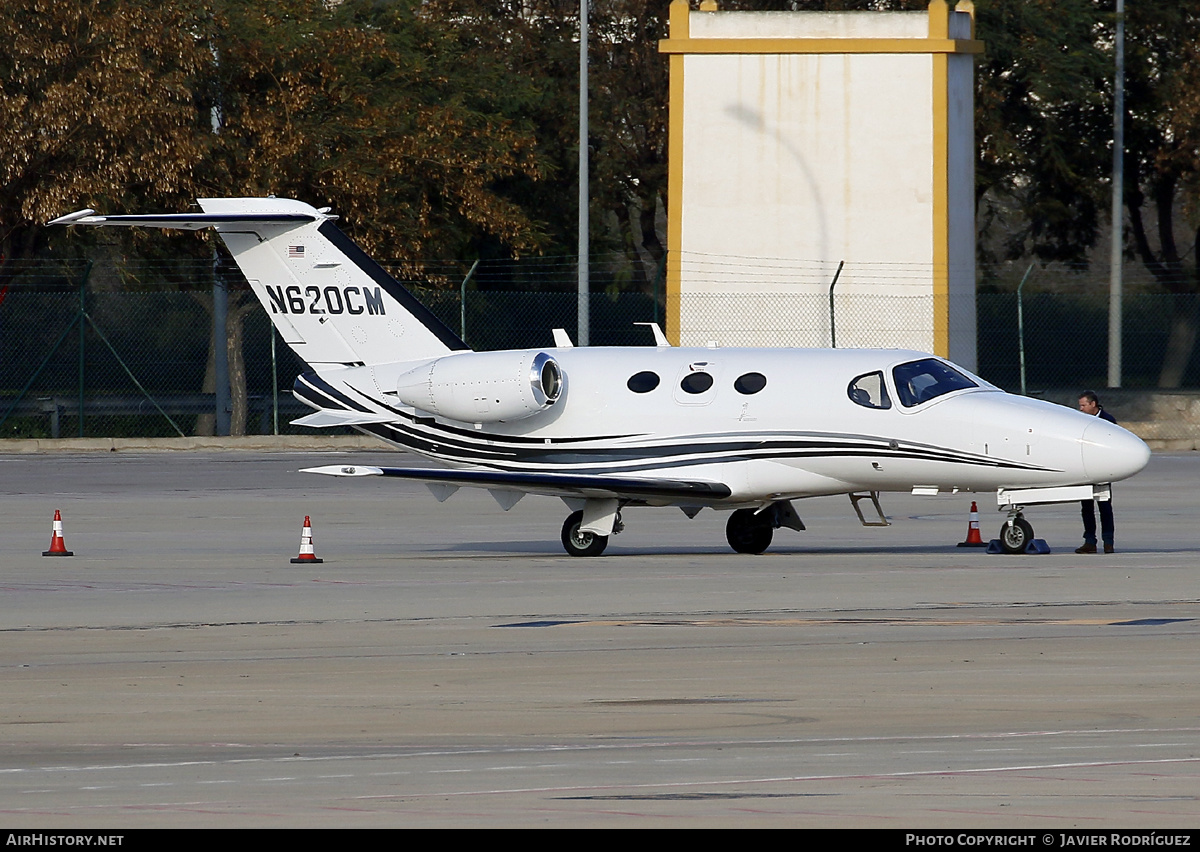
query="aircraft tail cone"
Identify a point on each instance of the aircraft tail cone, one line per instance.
(58, 547)
(973, 537)
(307, 556)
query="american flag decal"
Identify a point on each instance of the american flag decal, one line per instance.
(295, 251)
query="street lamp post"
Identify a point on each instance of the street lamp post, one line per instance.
(584, 293)
(1118, 191)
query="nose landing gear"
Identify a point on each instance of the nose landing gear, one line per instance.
(1016, 534)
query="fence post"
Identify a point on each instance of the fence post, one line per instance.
(83, 279)
(1021, 326)
(274, 384)
(220, 346)
(462, 303)
(659, 272)
(832, 326)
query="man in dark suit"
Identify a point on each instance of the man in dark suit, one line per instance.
(1089, 403)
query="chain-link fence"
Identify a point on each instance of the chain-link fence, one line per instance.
(125, 350)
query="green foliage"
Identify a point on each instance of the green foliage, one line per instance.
(376, 109)
(1043, 98)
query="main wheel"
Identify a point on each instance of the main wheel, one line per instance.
(747, 532)
(579, 543)
(1016, 536)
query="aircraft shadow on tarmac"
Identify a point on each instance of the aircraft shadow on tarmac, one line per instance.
(541, 548)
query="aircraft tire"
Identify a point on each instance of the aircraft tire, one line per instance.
(578, 543)
(747, 532)
(1016, 536)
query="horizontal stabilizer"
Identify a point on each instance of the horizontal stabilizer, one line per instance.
(182, 221)
(555, 484)
(345, 470)
(324, 419)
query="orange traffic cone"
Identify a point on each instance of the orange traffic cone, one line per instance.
(307, 556)
(973, 539)
(58, 547)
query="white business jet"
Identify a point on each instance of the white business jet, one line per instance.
(604, 428)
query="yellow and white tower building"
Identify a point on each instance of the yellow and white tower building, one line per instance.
(801, 141)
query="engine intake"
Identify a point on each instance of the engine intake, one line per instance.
(484, 387)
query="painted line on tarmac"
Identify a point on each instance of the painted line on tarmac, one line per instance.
(835, 622)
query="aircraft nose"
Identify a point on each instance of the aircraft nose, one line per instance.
(1111, 453)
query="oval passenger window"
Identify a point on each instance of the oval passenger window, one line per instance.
(642, 382)
(750, 383)
(696, 382)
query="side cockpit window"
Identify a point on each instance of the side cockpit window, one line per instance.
(869, 391)
(920, 381)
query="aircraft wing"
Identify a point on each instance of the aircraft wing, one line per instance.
(587, 486)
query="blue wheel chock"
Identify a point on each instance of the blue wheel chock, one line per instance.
(1034, 547)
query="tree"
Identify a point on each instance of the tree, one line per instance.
(1041, 107)
(1045, 130)
(630, 103)
(373, 108)
(1162, 163)
(537, 40)
(95, 105)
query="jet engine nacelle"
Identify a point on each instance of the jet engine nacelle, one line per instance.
(483, 387)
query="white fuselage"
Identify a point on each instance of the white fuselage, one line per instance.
(800, 434)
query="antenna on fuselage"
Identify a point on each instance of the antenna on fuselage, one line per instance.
(660, 339)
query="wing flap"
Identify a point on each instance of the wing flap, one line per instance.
(553, 484)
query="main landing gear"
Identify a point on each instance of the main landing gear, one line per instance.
(578, 543)
(750, 532)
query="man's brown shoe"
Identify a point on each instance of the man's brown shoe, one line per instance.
(1087, 548)
(1108, 548)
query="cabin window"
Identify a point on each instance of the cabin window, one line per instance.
(697, 382)
(642, 382)
(920, 381)
(869, 391)
(749, 383)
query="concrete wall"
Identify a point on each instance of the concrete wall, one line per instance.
(800, 140)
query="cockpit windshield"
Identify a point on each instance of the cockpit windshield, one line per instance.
(920, 381)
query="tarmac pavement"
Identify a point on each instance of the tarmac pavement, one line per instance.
(448, 665)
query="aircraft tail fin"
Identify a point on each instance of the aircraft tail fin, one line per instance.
(329, 301)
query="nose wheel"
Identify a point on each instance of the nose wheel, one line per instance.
(1015, 535)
